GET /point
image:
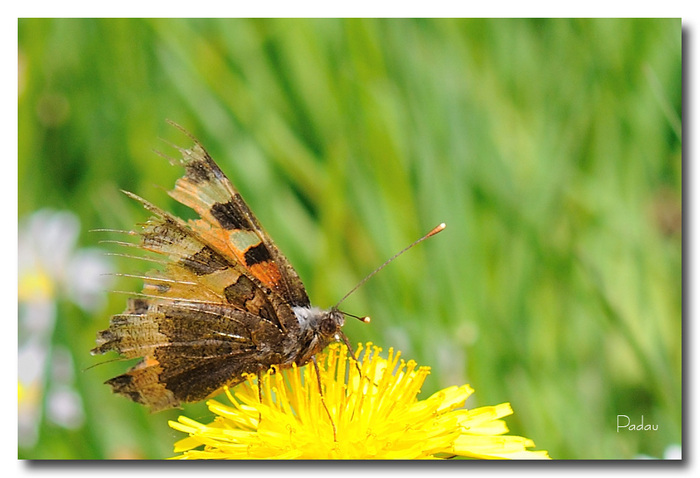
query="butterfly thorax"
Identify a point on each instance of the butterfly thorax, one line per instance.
(318, 328)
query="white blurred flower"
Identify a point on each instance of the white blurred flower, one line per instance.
(51, 267)
(64, 406)
(672, 452)
(50, 264)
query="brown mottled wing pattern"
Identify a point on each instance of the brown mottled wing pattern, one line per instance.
(222, 305)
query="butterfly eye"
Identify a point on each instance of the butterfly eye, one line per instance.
(327, 326)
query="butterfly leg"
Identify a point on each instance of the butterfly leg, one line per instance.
(352, 352)
(259, 395)
(323, 400)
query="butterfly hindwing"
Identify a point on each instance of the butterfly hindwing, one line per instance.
(190, 350)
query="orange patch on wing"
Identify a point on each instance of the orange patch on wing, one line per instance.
(217, 238)
(267, 272)
(148, 362)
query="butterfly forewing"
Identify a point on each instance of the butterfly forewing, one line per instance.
(228, 223)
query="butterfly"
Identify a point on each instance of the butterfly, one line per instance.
(225, 303)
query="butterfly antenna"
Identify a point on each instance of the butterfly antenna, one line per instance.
(434, 231)
(364, 319)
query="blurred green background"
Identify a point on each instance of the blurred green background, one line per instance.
(551, 148)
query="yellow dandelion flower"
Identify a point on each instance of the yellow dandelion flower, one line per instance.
(375, 414)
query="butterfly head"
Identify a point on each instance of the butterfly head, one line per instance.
(318, 328)
(330, 323)
(325, 324)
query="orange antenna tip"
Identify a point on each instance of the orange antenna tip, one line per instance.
(436, 230)
(364, 319)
